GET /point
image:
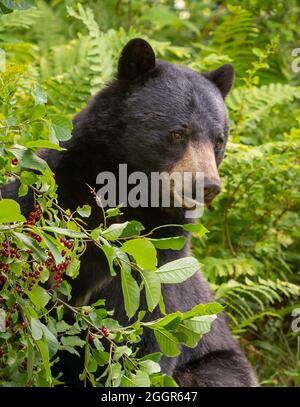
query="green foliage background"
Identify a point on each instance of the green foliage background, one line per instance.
(58, 53)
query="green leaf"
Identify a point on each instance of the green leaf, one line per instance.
(178, 271)
(203, 309)
(28, 177)
(112, 212)
(101, 357)
(174, 243)
(192, 338)
(84, 211)
(170, 321)
(114, 231)
(65, 289)
(115, 375)
(61, 127)
(37, 113)
(36, 329)
(31, 244)
(143, 252)
(131, 292)
(195, 228)
(152, 288)
(133, 228)
(43, 144)
(141, 379)
(43, 348)
(10, 211)
(120, 351)
(51, 340)
(40, 97)
(167, 342)
(73, 268)
(149, 366)
(72, 341)
(28, 159)
(51, 243)
(155, 357)
(111, 253)
(65, 232)
(200, 325)
(38, 296)
(30, 358)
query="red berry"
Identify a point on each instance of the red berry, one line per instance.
(105, 331)
(12, 252)
(14, 161)
(5, 252)
(5, 244)
(91, 338)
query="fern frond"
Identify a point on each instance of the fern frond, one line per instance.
(249, 301)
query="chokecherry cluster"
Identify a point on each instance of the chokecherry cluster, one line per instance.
(59, 269)
(34, 216)
(8, 250)
(104, 331)
(66, 243)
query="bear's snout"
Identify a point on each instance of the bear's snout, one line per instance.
(211, 189)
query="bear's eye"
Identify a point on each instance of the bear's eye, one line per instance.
(219, 142)
(178, 135)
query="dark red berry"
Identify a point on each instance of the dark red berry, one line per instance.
(91, 338)
(5, 252)
(14, 161)
(105, 331)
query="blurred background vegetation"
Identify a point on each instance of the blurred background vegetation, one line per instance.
(252, 254)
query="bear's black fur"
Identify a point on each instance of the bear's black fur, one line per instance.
(133, 121)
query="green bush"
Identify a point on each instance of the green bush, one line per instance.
(54, 56)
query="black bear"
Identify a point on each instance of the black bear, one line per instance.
(155, 116)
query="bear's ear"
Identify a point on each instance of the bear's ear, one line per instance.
(137, 58)
(223, 77)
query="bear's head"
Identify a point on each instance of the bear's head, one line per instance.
(175, 118)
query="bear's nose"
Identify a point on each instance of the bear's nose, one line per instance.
(211, 189)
